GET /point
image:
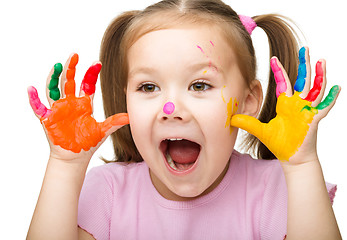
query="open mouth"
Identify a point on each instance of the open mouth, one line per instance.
(180, 154)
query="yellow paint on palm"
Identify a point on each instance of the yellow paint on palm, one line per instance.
(284, 134)
(290, 126)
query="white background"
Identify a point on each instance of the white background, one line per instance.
(34, 35)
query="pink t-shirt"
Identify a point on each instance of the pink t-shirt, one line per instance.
(120, 202)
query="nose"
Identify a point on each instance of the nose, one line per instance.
(169, 108)
(170, 111)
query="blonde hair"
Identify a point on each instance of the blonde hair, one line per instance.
(130, 26)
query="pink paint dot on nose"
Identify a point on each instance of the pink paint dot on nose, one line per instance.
(169, 108)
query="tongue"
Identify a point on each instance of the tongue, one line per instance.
(184, 151)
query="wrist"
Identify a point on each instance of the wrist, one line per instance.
(300, 162)
(72, 171)
(70, 158)
(306, 167)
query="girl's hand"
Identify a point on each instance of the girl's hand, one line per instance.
(73, 134)
(292, 134)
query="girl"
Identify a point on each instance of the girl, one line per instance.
(185, 73)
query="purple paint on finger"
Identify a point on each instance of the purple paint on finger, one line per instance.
(169, 108)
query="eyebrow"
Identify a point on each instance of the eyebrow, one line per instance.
(210, 64)
(143, 69)
(193, 67)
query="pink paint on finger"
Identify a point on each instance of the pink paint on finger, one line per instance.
(36, 104)
(169, 108)
(279, 77)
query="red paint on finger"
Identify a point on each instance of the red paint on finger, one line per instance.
(36, 104)
(279, 77)
(70, 76)
(90, 78)
(318, 82)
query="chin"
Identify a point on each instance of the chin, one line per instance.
(188, 191)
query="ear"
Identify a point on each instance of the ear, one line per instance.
(253, 99)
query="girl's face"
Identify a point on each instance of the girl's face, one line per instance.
(186, 148)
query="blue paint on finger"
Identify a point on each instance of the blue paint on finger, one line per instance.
(302, 72)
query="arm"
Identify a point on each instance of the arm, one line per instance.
(292, 137)
(73, 136)
(55, 215)
(83, 235)
(310, 213)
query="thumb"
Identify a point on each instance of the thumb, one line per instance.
(114, 122)
(248, 123)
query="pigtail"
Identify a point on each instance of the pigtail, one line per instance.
(113, 84)
(284, 45)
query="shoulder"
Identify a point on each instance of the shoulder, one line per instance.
(103, 185)
(258, 169)
(116, 172)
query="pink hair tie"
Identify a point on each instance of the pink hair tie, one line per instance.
(248, 23)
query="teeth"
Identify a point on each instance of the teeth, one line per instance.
(168, 157)
(175, 139)
(170, 161)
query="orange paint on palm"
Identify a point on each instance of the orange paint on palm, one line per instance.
(71, 126)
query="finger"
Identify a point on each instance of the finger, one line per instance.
(323, 83)
(248, 123)
(308, 74)
(39, 109)
(319, 82)
(326, 105)
(89, 80)
(281, 78)
(114, 122)
(70, 76)
(52, 90)
(302, 71)
(67, 83)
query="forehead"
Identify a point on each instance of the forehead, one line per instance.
(186, 44)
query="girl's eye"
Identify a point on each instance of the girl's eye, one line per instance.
(148, 87)
(200, 86)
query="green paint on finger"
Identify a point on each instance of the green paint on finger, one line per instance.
(330, 98)
(58, 68)
(309, 108)
(54, 92)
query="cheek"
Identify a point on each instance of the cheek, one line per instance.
(212, 116)
(232, 103)
(140, 118)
